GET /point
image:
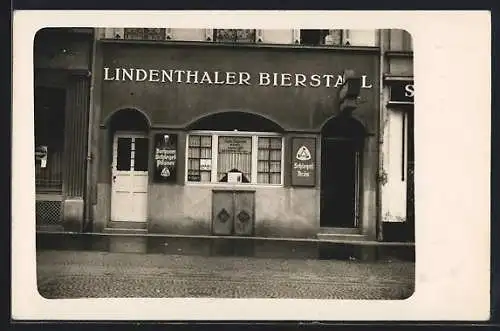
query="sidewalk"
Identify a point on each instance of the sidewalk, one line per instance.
(81, 274)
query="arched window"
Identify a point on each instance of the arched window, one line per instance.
(235, 147)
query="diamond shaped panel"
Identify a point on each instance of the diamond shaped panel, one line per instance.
(243, 216)
(223, 215)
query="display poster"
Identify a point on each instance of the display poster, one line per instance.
(41, 155)
(235, 144)
(303, 161)
(165, 158)
(205, 164)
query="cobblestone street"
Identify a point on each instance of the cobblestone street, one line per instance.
(76, 274)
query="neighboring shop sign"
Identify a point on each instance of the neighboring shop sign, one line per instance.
(402, 91)
(242, 145)
(41, 155)
(303, 161)
(165, 157)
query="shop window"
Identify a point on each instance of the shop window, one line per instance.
(269, 160)
(49, 137)
(258, 158)
(144, 34)
(234, 35)
(200, 158)
(234, 155)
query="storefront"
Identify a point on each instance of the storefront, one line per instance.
(399, 198)
(61, 94)
(198, 138)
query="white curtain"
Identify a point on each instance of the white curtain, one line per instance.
(231, 159)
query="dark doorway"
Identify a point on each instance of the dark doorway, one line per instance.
(410, 186)
(341, 147)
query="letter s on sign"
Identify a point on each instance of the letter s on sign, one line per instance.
(409, 91)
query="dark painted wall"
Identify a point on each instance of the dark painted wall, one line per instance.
(59, 48)
(177, 105)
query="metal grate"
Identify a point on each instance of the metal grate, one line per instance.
(48, 212)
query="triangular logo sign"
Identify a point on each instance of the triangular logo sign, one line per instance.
(303, 154)
(165, 172)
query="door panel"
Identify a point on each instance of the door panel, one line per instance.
(129, 178)
(223, 214)
(244, 213)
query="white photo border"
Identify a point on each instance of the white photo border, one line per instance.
(452, 177)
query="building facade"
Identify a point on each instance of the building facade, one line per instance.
(397, 118)
(62, 76)
(268, 133)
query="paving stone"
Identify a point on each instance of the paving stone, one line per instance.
(80, 274)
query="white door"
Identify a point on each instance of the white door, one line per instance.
(129, 178)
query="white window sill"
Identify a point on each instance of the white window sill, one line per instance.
(232, 186)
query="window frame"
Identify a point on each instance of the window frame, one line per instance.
(345, 39)
(164, 32)
(236, 40)
(254, 135)
(114, 153)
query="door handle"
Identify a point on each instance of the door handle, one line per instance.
(114, 179)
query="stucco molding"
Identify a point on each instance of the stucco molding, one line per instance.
(222, 111)
(352, 116)
(105, 121)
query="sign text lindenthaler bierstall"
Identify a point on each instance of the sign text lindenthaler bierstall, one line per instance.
(275, 79)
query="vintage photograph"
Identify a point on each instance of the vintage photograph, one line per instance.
(224, 163)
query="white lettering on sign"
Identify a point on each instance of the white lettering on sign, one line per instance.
(275, 79)
(302, 166)
(303, 154)
(165, 157)
(304, 162)
(364, 83)
(409, 91)
(235, 145)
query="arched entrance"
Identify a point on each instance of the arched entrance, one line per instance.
(341, 165)
(129, 134)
